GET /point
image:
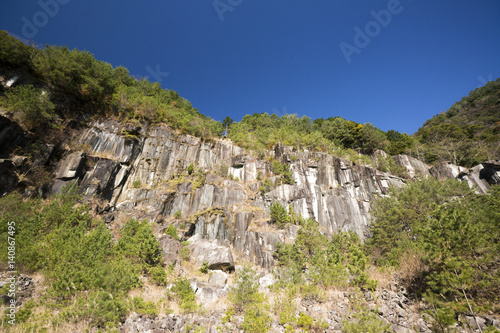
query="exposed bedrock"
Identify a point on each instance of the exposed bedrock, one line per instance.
(142, 172)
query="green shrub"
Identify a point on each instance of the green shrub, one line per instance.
(256, 319)
(190, 168)
(455, 232)
(305, 321)
(279, 215)
(146, 308)
(204, 268)
(245, 290)
(285, 307)
(185, 294)
(246, 298)
(140, 244)
(136, 184)
(287, 177)
(158, 275)
(276, 168)
(185, 253)
(171, 230)
(32, 106)
(266, 186)
(101, 308)
(228, 315)
(178, 214)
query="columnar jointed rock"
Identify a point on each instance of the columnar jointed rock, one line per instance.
(142, 172)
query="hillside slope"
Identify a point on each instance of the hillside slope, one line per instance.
(469, 132)
(126, 210)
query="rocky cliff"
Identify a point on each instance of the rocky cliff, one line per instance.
(141, 171)
(219, 196)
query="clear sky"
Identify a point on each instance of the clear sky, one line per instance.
(392, 63)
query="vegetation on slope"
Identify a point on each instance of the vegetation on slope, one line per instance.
(88, 274)
(75, 83)
(469, 132)
(443, 238)
(446, 240)
(80, 84)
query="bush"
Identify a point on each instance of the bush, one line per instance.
(178, 214)
(276, 168)
(140, 244)
(101, 308)
(245, 290)
(454, 232)
(305, 321)
(190, 169)
(246, 298)
(287, 177)
(204, 268)
(185, 294)
(185, 253)
(171, 230)
(279, 215)
(266, 186)
(158, 275)
(32, 106)
(256, 319)
(146, 308)
(285, 307)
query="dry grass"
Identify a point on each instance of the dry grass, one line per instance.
(221, 305)
(156, 294)
(411, 267)
(42, 319)
(385, 277)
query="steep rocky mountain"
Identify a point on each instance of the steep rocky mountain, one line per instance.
(212, 191)
(210, 209)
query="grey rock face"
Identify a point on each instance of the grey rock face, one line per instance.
(141, 172)
(414, 168)
(218, 277)
(480, 177)
(71, 167)
(170, 248)
(209, 295)
(215, 253)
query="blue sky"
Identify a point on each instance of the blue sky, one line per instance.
(392, 63)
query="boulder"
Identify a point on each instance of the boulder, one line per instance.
(217, 277)
(266, 281)
(476, 322)
(170, 248)
(217, 254)
(210, 295)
